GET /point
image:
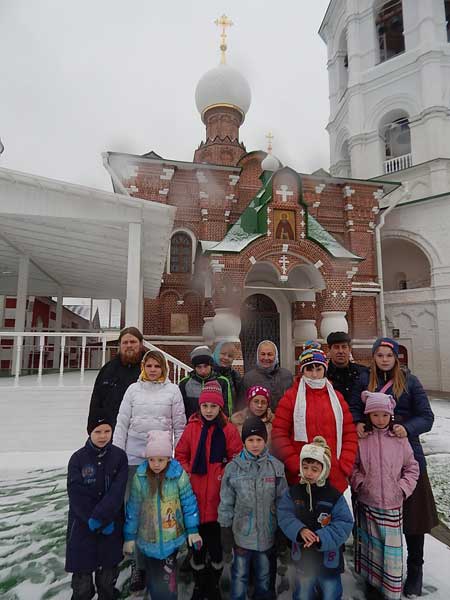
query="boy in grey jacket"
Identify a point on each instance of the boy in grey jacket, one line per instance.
(252, 484)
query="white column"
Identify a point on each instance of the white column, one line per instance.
(2, 310)
(304, 330)
(91, 314)
(21, 301)
(333, 320)
(58, 328)
(134, 275)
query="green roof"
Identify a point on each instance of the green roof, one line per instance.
(252, 224)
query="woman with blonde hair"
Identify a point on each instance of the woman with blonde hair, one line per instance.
(412, 417)
(152, 403)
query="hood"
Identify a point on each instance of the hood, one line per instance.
(173, 472)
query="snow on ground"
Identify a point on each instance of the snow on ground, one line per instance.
(40, 429)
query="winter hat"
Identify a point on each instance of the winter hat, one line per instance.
(258, 390)
(159, 443)
(211, 392)
(376, 401)
(312, 354)
(320, 451)
(338, 337)
(201, 355)
(387, 343)
(97, 419)
(254, 426)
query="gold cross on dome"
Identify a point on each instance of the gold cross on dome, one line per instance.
(269, 137)
(223, 22)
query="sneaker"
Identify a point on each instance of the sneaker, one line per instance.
(137, 580)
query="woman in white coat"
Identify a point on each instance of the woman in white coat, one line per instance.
(152, 403)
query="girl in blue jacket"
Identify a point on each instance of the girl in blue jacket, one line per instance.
(161, 514)
(96, 481)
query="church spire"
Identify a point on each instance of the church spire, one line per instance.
(223, 22)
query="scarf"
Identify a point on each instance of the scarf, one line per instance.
(300, 433)
(217, 451)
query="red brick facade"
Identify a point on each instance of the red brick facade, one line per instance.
(212, 193)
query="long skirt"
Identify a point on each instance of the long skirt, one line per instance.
(379, 548)
(419, 510)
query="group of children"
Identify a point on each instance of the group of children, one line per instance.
(223, 492)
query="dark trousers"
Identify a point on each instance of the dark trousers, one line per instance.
(161, 577)
(414, 545)
(210, 534)
(105, 580)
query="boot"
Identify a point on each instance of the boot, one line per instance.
(137, 580)
(200, 584)
(372, 593)
(214, 575)
(413, 583)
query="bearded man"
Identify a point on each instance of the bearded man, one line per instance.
(117, 374)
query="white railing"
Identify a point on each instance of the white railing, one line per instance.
(398, 164)
(38, 352)
(177, 369)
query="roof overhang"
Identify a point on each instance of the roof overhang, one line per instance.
(77, 237)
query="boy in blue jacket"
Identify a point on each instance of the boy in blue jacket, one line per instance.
(318, 521)
(96, 480)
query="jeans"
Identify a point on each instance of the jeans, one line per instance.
(161, 577)
(306, 586)
(260, 563)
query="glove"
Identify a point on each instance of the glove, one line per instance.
(94, 524)
(108, 529)
(128, 547)
(195, 541)
(227, 539)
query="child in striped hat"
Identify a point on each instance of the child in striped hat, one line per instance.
(309, 408)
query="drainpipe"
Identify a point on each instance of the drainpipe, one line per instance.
(113, 174)
(378, 228)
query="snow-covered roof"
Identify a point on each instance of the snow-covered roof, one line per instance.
(321, 236)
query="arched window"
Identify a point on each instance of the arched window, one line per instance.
(405, 265)
(342, 61)
(396, 136)
(180, 253)
(389, 24)
(447, 18)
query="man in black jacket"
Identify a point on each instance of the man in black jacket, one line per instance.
(117, 374)
(342, 373)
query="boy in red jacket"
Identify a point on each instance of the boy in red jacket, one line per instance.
(208, 443)
(309, 408)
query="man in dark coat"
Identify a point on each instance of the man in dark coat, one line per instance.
(343, 374)
(118, 374)
(96, 481)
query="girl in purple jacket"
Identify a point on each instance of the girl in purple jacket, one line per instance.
(384, 475)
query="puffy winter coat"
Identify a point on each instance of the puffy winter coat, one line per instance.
(385, 471)
(111, 383)
(344, 379)
(276, 380)
(250, 489)
(96, 482)
(319, 421)
(148, 406)
(238, 419)
(329, 517)
(206, 487)
(192, 386)
(160, 523)
(412, 410)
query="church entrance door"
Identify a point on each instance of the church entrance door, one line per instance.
(260, 321)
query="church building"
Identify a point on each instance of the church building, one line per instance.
(258, 250)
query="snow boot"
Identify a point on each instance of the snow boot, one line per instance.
(214, 575)
(200, 591)
(137, 580)
(413, 583)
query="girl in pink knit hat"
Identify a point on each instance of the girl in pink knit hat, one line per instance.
(161, 514)
(208, 443)
(384, 475)
(258, 405)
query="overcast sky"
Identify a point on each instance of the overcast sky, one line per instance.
(80, 77)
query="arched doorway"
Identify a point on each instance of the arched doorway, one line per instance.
(260, 321)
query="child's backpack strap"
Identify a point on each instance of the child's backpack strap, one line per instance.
(386, 386)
